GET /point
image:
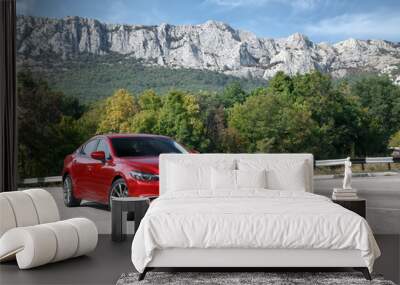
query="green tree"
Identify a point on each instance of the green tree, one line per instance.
(119, 110)
(146, 120)
(395, 140)
(213, 115)
(231, 141)
(149, 100)
(90, 120)
(232, 93)
(72, 107)
(259, 91)
(280, 83)
(271, 123)
(338, 115)
(380, 99)
(45, 134)
(180, 119)
(302, 113)
(68, 134)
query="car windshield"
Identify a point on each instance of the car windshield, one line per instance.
(137, 146)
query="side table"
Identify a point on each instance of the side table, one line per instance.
(119, 209)
(357, 205)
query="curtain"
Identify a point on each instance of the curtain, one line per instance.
(8, 98)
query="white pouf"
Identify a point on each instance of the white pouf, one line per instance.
(31, 232)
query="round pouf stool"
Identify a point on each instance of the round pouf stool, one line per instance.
(51, 242)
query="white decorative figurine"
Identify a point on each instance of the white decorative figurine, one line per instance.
(347, 174)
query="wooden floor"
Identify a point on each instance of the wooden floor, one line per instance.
(106, 264)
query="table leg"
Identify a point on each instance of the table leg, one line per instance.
(117, 222)
(140, 211)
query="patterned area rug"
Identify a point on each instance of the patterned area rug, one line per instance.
(269, 278)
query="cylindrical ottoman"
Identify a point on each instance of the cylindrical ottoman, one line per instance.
(40, 244)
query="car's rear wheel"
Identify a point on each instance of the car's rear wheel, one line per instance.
(118, 189)
(68, 191)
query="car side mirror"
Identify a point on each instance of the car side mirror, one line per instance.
(98, 155)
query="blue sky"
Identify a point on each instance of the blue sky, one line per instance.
(321, 20)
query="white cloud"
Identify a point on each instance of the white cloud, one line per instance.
(237, 3)
(304, 4)
(377, 25)
(296, 4)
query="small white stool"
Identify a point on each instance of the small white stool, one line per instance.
(31, 231)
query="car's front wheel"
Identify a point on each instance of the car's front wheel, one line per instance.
(118, 189)
(68, 191)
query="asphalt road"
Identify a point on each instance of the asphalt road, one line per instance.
(383, 199)
(382, 194)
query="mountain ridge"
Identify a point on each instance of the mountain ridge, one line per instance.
(213, 45)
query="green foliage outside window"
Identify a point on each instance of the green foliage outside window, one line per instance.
(395, 140)
(303, 113)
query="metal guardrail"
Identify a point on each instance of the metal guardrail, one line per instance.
(50, 179)
(330, 162)
(362, 161)
(379, 160)
(318, 163)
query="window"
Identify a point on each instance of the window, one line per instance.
(103, 146)
(136, 146)
(90, 147)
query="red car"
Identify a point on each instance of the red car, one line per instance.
(115, 165)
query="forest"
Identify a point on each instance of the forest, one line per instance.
(310, 113)
(90, 78)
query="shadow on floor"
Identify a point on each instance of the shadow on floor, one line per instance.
(94, 205)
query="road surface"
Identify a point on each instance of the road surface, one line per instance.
(383, 199)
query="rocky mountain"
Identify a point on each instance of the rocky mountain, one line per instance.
(212, 46)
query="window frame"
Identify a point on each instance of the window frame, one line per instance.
(82, 152)
(109, 157)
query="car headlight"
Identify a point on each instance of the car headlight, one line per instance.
(142, 176)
